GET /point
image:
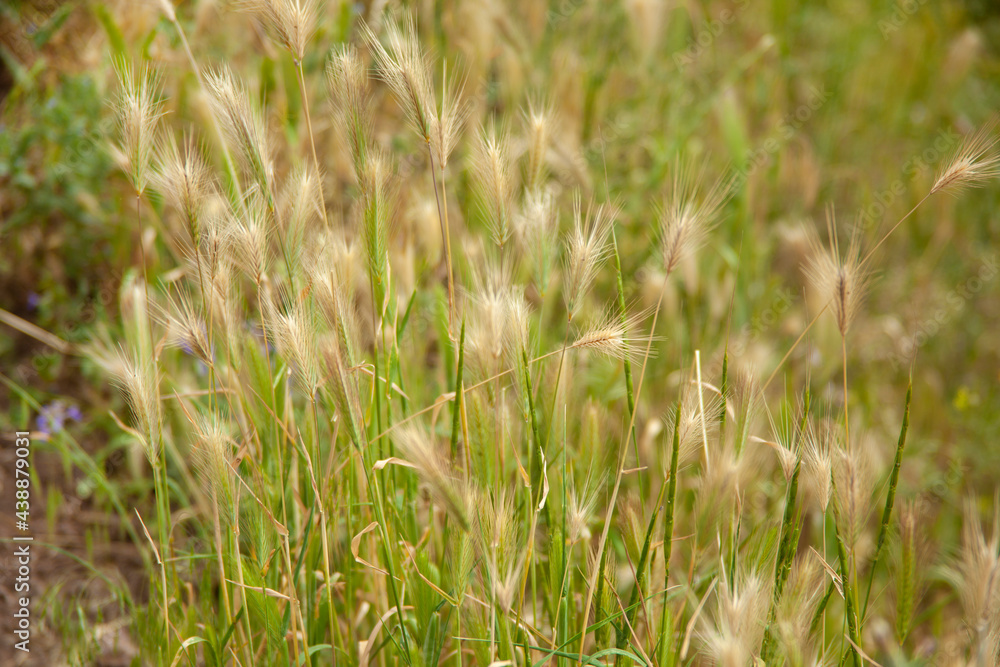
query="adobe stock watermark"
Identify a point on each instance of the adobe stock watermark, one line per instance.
(789, 126)
(707, 34)
(902, 11)
(954, 303)
(872, 214)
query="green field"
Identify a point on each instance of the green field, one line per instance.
(498, 332)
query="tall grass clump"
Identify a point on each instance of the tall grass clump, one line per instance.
(411, 392)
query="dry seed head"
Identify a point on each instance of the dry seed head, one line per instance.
(244, 125)
(684, 220)
(417, 447)
(817, 466)
(168, 10)
(580, 512)
(213, 448)
(535, 229)
(247, 236)
(347, 78)
(853, 484)
(497, 529)
(586, 249)
(799, 601)
(538, 122)
(979, 570)
(186, 328)
(377, 201)
(690, 433)
(186, 182)
(139, 382)
(447, 123)
(738, 626)
(291, 22)
(492, 165)
(974, 163)
(616, 339)
(138, 113)
(404, 68)
(841, 278)
(491, 298)
(293, 329)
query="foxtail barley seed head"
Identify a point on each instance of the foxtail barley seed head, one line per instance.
(616, 339)
(139, 382)
(186, 183)
(291, 22)
(975, 162)
(492, 166)
(377, 211)
(185, 325)
(138, 110)
(817, 465)
(248, 233)
(842, 278)
(417, 447)
(735, 632)
(535, 227)
(586, 249)
(798, 604)
(853, 484)
(213, 449)
(978, 570)
(580, 513)
(347, 78)
(244, 125)
(403, 67)
(448, 121)
(689, 214)
(538, 124)
(293, 328)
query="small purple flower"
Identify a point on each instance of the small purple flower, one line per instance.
(52, 417)
(34, 300)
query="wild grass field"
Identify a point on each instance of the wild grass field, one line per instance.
(498, 332)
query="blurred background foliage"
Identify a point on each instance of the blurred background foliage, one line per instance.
(853, 104)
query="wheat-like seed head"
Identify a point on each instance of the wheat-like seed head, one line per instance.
(213, 448)
(614, 338)
(292, 325)
(449, 119)
(139, 382)
(798, 604)
(689, 214)
(138, 112)
(291, 22)
(538, 125)
(975, 162)
(186, 183)
(377, 200)
(841, 277)
(347, 80)
(817, 465)
(417, 447)
(735, 632)
(248, 233)
(492, 166)
(580, 512)
(978, 568)
(535, 228)
(244, 126)
(403, 67)
(853, 483)
(186, 328)
(586, 249)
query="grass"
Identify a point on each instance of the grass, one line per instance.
(456, 339)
